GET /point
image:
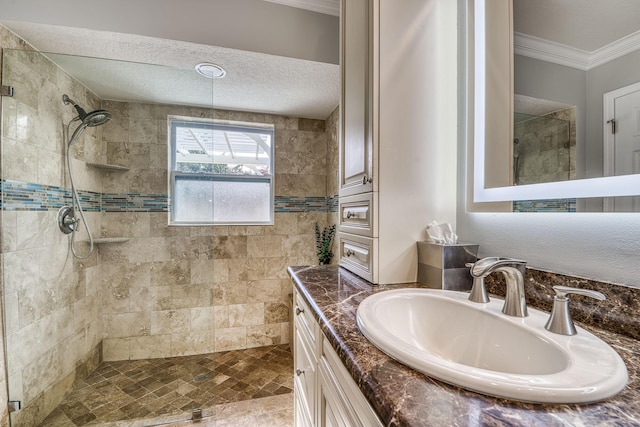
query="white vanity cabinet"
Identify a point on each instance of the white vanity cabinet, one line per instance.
(356, 148)
(356, 205)
(325, 393)
(387, 190)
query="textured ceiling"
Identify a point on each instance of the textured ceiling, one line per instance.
(254, 82)
(535, 107)
(583, 24)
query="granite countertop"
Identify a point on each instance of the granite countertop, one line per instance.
(404, 397)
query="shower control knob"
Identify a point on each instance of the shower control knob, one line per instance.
(67, 220)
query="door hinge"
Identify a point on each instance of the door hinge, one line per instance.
(14, 406)
(613, 125)
(6, 90)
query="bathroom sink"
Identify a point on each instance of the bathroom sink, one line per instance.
(475, 346)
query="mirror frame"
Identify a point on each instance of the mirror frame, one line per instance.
(611, 186)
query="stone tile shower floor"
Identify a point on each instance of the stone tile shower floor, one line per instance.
(118, 393)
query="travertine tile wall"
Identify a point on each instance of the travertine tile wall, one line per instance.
(175, 290)
(50, 304)
(251, 285)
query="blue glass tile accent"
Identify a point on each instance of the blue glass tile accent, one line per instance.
(18, 195)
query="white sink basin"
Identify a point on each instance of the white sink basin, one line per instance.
(475, 346)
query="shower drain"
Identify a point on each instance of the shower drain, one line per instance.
(196, 414)
(201, 378)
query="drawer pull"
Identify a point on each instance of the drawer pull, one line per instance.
(299, 310)
(299, 372)
(366, 180)
(350, 214)
(349, 252)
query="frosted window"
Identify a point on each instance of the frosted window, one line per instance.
(220, 173)
(220, 201)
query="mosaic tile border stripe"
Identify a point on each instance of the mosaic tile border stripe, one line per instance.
(24, 196)
(551, 205)
(300, 204)
(134, 202)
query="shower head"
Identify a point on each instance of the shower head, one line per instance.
(96, 118)
(91, 119)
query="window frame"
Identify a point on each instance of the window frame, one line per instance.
(174, 122)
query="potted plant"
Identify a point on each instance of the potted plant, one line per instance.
(323, 243)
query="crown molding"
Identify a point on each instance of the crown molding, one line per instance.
(615, 50)
(329, 7)
(545, 50)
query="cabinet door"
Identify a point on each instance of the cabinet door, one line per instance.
(332, 410)
(305, 377)
(301, 412)
(356, 147)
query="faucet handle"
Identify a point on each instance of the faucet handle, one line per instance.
(563, 291)
(560, 321)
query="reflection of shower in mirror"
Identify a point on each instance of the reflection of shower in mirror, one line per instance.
(544, 141)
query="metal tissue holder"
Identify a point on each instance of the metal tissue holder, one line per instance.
(442, 266)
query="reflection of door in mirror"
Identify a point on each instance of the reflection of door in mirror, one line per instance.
(622, 141)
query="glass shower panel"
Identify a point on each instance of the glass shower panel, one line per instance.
(127, 333)
(542, 149)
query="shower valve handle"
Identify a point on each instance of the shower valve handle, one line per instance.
(71, 221)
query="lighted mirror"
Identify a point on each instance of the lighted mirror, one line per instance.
(557, 103)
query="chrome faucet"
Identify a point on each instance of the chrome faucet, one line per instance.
(515, 303)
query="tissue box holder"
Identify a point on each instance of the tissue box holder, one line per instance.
(442, 266)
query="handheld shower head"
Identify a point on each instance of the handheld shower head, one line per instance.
(97, 118)
(91, 119)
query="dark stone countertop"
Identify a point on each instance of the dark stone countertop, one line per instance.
(404, 397)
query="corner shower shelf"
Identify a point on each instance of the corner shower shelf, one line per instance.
(102, 240)
(107, 166)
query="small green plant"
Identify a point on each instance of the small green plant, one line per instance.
(323, 243)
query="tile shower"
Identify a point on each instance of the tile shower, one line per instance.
(167, 291)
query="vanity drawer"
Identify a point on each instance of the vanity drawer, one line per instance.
(356, 214)
(357, 255)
